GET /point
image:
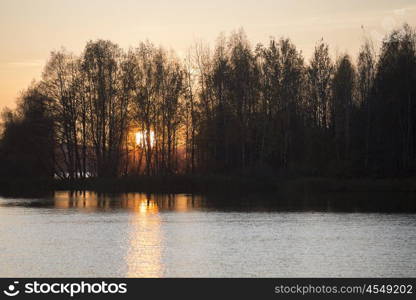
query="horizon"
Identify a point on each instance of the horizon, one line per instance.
(40, 28)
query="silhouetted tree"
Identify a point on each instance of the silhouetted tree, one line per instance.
(108, 101)
(366, 69)
(27, 144)
(395, 104)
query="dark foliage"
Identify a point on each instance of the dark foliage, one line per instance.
(27, 145)
(259, 112)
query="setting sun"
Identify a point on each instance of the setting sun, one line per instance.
(141, 138)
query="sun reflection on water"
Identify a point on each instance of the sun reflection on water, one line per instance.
(144, 254)
(144, 235)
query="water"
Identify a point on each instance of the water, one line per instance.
(138, 235)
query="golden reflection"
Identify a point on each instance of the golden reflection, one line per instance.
(182, 203)
(144, 253)
(144, 230)
(137, 202)
(85, 201)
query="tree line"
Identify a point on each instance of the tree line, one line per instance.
(234, 109)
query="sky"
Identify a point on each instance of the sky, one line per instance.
(31, 29)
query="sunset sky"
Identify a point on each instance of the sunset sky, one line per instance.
(30, 29)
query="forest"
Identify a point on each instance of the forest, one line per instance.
(236, 109)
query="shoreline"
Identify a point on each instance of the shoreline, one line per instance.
(211, 185)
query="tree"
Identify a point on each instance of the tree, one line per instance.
(27, 144)
(320, 72)
(107, 102)
(62, 83)
(365, 84)
(342, 106)
(395, 104)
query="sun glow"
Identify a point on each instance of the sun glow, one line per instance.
(141, 138)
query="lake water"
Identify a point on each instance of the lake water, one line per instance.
(138, 235)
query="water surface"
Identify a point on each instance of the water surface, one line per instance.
(139, 235)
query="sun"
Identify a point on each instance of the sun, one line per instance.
(141, 138)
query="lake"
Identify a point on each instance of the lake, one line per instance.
(138, 235)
